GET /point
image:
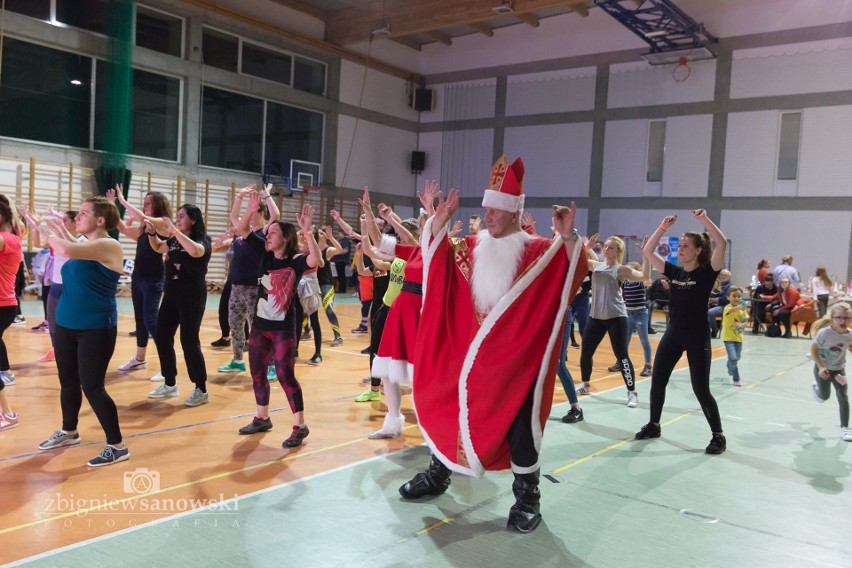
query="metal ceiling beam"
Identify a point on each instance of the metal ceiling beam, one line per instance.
(406, 17)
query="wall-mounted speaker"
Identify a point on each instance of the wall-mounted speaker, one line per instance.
(423, 100)
(418, 162)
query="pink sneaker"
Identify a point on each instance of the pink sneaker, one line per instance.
(8, 422)
(47, 357)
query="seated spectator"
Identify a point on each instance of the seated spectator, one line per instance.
(718, 300)
(765, 291)
(783, 302)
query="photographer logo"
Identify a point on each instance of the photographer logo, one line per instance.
(141, 480)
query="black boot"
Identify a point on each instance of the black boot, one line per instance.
(433, 481)
(525, 516)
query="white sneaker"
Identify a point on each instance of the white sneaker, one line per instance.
(197, 398)
(157, 378)
(815, 390)
(632, 399)
(584, 389)
(132, 365)
(164, 391)
(846, 434)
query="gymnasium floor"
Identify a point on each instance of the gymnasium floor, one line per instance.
(777, 497)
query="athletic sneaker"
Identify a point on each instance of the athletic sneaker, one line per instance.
(257, 425)
(47, 357)
(315, 360)
(337, 341)
(737, 384)
(614, 368)
(646, 371)
(132, 365)
(306, 334)
(365, 351)
(717, 445)
(369, 396)
(575, 345)
(367, 380)
(7, 422)
(845, 434)
(271, 375)
(164, 391)
(648, 431)
(221, 342)
(233, 367)
(43, 326)
(360, 329)
(632, 399)
(58, 439)
(110, 455)
(814, 390)
(296, 437)
(197, 398)
(157, 378)
(574, 415)
(8, 378)
(19, 319)
(584, 389)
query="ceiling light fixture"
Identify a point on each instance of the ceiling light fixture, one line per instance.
(504, 8)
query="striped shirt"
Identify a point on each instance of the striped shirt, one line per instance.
(634, 295)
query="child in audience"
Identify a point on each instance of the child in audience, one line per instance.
(734, 317)
(831, 341)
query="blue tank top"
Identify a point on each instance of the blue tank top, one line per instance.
(88, 296)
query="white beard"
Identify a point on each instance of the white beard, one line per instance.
(495, 266)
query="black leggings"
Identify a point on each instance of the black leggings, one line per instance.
(315, 327)
(618, 338)
(376, 330)
(182, 307)
(7, 316)
(224, 324)
(82, 358)
(520, 436)
(698, 353)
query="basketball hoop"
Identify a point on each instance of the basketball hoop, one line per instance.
(681, 71)
(312, 189)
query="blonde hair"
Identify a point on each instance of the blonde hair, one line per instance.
(619, 245)
(825, 320)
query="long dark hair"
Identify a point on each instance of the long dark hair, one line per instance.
(9, 215)
(159, 205)
(702, 241)
(291, 238)
(199, 229)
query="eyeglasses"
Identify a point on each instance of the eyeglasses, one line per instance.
(842, 318)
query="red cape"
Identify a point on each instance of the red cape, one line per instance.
(471, 377)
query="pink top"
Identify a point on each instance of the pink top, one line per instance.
(10, 260)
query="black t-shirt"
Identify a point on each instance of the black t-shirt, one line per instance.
(148, 263)
(243, 270)
(182, 269)
(689, 294)
(276, 287)
(346, 244)
(324, 273)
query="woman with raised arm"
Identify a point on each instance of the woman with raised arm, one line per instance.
(146, 282)
(691, 283)
(11, 255)
(275, 323)
(86, 320)
(187, 253)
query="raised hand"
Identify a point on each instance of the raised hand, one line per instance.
(306, 217)
(528, 220)
(644, 242)
(249, 189)
(563, 219)
(669, 220)
(335, 215)
(365, 199)
(327, 231)
(592, 241)
(700, 213)
(110, 195)
(427, 198)
(385, 212)
(253, 204)
(168, 225)
(445, 209)
(457, 227)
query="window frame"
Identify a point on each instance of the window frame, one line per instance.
(163, 12)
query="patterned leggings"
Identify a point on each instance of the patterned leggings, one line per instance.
(241, 307)
(282, 346)
(328, 305)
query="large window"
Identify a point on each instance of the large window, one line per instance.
(232, 53)
(159, 31)
(155, 115)
(85, 14)
(232, 132)
(656, 150)
(45, 94)
(34, 8)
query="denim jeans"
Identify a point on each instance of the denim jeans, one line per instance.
(712, 314)
(638, 320)
(146, 293)
(735, 350)
(561, 370)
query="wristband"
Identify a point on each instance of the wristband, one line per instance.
(264, 196)
(307, 233)
(174, 231)
(662, 228)
(154, 234)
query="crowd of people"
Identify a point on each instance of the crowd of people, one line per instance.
(477, 411)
